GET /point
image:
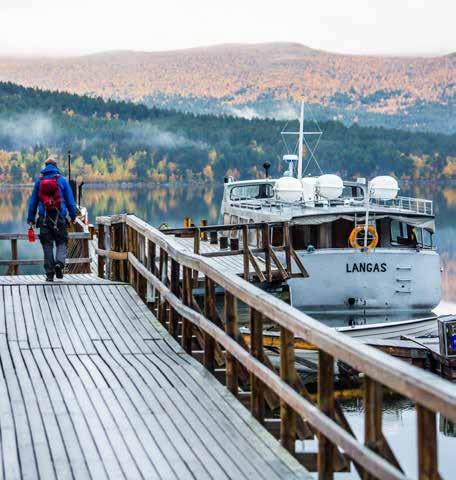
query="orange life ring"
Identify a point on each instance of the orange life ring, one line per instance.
(353, 238)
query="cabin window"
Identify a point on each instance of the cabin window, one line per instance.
(424, 238)
(409, 236)
(255, 191)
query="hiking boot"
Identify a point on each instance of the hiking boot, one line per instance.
(49, 277)
(58, 269)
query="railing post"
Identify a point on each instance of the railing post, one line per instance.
(196, 248)
(326, 450)
(267, 255)
(85, 253)
(245, 251)
(427, 444)
(257, 405)
(101, 246)
(231, 330)
(373, 400)
(142, 283)
(187, 326)
(14, 268)
(174, 285)
(163, 274)
(287, 414)
(209, 312)
(286, 244)
(150, 248)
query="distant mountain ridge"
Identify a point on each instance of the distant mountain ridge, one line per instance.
(265, 80)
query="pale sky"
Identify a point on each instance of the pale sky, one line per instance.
(56, 27)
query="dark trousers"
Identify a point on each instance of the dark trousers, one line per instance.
(53, 231)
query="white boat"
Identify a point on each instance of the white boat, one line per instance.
(366, 249)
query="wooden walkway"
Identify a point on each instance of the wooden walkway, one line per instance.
(93, 386)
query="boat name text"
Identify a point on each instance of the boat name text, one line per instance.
(365, 267)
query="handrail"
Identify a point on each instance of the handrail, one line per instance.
(433, 392)
(429, 392)
(368, 459)
(78, 260)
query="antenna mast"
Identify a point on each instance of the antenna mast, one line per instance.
(301, 139)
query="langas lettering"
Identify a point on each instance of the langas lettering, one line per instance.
(366, 267)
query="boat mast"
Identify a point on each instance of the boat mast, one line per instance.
(301, 139)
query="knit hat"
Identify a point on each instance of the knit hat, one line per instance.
(51, 161)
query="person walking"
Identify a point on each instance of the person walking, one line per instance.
(53, 198)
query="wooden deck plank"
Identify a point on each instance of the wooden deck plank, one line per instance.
(40, 436)
(79, 401)
(140, 417)
(234, 427)
(69, 279)
(192, 449)
(78, 318)
(46, 328)
(23, 433)
(93, 386)
(9, 448)
(70, 424)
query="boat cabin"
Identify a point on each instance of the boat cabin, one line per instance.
(317, 222)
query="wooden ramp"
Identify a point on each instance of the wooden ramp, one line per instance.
(92, 386)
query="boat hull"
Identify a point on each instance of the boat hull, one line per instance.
(381, 280)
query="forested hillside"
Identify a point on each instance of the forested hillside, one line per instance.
(120, 141)
(265, 80)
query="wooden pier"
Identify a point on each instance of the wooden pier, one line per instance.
(93, 386)
(128, 375)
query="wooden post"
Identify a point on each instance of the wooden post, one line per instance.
(173, 318)
(197, 247)
(209, 312)
(267, 255)
(326, 451)
(373, 400)
(162, 273)
(257, 405)
(287, 414)
(286, 243)
(187, 326)
(14, 256)
(150, 249)
(245, 251)
(231, 330)
(142, 282)
(427, 444)
(204, 233)
(102, 246)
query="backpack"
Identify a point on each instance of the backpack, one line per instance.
(49, 194)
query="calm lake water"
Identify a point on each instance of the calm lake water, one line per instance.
(171, 204)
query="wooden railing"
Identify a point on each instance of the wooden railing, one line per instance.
(78, 260)
(236, 239)
(163, 275)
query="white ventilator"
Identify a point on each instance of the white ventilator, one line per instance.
(383, 188)
(329, 186)
(308, 189)
(288, 189)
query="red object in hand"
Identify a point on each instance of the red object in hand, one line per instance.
(31, 235)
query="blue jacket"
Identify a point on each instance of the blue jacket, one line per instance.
(68, 203)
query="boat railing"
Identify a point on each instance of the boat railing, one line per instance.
(409, 204)
(180, 286)
(416, 205)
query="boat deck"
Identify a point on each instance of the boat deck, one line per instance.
(93, 386)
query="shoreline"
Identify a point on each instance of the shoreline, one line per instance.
(132, 185)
